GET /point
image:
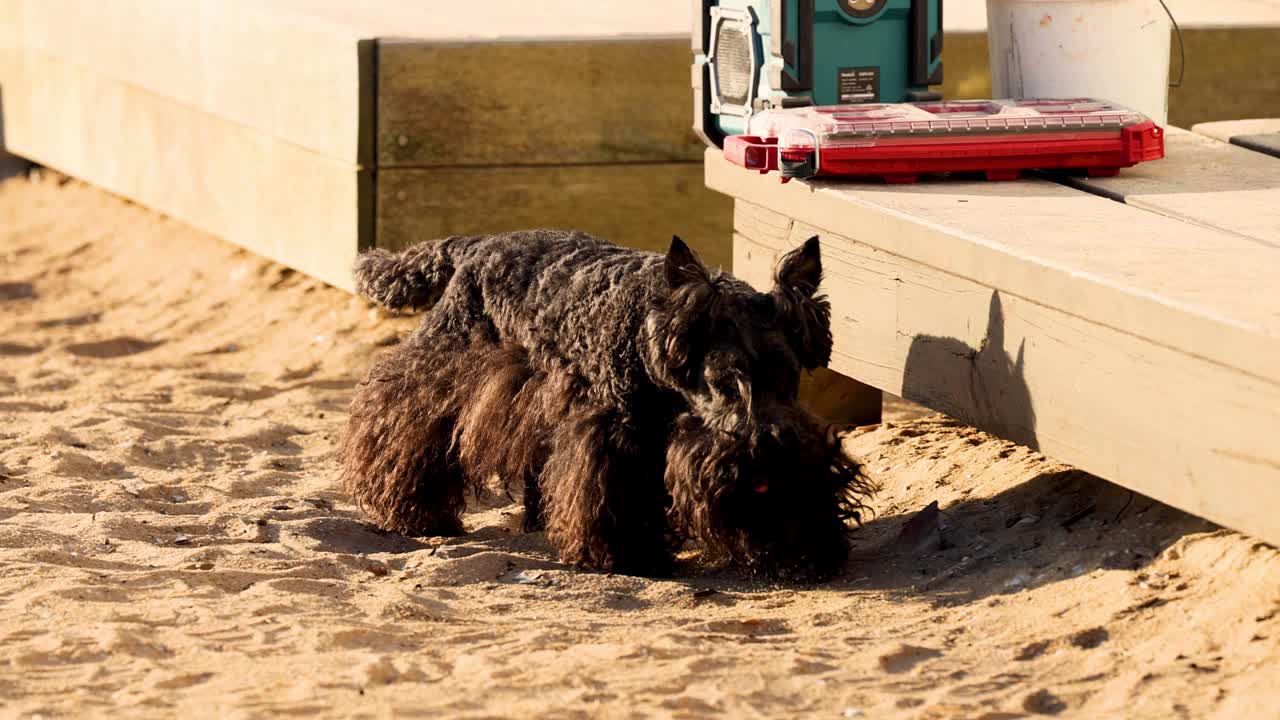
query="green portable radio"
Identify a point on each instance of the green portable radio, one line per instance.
(752, 55)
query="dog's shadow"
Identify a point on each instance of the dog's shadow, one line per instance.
(984, 386)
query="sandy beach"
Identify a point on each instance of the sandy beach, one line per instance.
(173, 542)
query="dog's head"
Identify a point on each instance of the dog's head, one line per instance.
(735, 354)
(751, 473)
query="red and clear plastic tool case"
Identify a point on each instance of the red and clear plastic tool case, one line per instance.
(900, 142)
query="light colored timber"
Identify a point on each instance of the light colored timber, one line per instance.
(437, 20)
(285, 73)
(530, 103)
(1204, 181)
(971, 15)
(839, 399)
(1259, 135)
(1162, 421)
(1224, 130)
(640, 205)
(1221, 79)
(1204, 292)
(272, 197)
(302, 70)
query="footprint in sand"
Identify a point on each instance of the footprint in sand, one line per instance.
(906, 657)
(72, 321)
(344, 535)
(1043, 702)
(16, 291)
(17, 350)
(1091, 638)
(750, 627)
(79, 465)
(1033, 650)
(116, 347)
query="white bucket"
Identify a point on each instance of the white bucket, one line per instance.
(1115, 50)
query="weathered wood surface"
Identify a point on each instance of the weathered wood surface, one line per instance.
(530, 103)
(300, 69)
(498, 19)
(641, 205)
(971, 15)
(1198, 290)
(1260, 134)
(286, 73)
(1222, 79)
(1203, 181)
(484, 86)
(839, 399)
(289, 204)
(1165, 422)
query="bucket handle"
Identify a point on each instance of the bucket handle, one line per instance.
(1182, 51)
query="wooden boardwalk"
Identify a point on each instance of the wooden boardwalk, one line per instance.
(1129, 325)
(308, 129)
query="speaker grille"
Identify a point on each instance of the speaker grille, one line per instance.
(733, 63)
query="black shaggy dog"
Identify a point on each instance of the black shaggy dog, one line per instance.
(639, 399)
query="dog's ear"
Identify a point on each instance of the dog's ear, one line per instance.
(805, 316)
(801, 269)
(683, 266)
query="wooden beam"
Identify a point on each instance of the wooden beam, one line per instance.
(1197, 290)
(273, 68)
(531, 103)
(270, 196)
(498, 20)
(1260, 135)
(839, 399)
(1221, 78)
(641, 205)
(1167, 423)
(1203, 181)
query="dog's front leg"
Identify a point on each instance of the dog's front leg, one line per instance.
(604, 501)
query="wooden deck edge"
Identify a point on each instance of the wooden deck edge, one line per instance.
(298, 73)
(640, 205)
(282, 73)
(1169, 323)
(1221, 79)
(291, 205)
(1188, 432)
(1205, 181)
(534, 103)
(1224, 130)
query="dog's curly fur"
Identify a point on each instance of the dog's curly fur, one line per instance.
(638, 399)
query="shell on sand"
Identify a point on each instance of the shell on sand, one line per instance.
(172, 542)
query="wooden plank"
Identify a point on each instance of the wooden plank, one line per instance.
(289, 204)
(839, 399)
(529, 103)
(1268, 144)
(638, 205)
(1224, 130)
(1260, 135)
(281, 72)
(1221, 80)
(499, 19)
(971, 15)
(1204, 181)
(1201, 291)
(1169, 424)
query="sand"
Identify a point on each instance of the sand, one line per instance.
(172, 542)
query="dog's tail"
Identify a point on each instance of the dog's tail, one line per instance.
(409, 279)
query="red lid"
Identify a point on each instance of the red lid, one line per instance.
(835, 126)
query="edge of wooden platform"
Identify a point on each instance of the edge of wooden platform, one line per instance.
(1176, 427)
(286, 203)
(910, 233)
